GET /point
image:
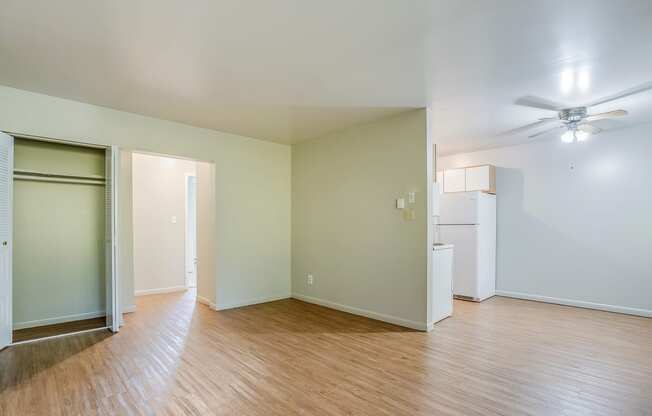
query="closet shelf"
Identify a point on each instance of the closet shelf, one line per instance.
(31, 175)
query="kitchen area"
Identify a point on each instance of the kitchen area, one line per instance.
(464, 249)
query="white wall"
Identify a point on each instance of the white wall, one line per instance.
(574, 220)
(159, 194)
(365, 257)
(252, 183)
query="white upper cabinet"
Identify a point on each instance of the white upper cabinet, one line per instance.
(481, 178)
(454, 180)
(474, 178)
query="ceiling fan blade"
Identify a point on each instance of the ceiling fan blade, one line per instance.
(546, 131)
(589, 128)
(626, 93)
(608, 114)
(538, 102)
(541, 122)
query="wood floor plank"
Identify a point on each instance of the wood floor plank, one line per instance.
(27, 334)
(176, 357)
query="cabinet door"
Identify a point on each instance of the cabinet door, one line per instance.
(478, 178)
(454, 180)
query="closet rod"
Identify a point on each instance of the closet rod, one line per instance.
(58, 180)
(57, 175)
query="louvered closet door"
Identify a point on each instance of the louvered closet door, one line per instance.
(6, 220)
(112, 303)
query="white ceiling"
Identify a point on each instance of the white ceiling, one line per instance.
(290, 70)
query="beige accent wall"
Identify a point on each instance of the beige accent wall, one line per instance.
(252, 183)
(364, 255)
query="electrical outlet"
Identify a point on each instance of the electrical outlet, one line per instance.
(310, 279)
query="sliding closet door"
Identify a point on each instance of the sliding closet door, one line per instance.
(112, 304)
(6, 219)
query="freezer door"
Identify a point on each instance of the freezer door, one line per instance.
(459, 208)
(465, 258)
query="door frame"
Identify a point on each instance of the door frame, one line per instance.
(115, 277)
(187, 177)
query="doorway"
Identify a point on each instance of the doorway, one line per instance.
(173, 233)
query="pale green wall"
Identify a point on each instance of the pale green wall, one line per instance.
(346, 231)
(252, 183)
(57, 158)
(58, 250)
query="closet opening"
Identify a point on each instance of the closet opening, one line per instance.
(173, 228)
(61, 243)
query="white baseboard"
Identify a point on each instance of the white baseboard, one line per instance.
(160, 291)
(206, 301)
(251, 302)
(129, 309)
(421, 326)
(58, 320)
(577, 303)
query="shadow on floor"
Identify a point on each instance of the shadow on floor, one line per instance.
(20, 363)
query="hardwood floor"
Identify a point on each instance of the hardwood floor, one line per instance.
(501, 357)
(27, 334)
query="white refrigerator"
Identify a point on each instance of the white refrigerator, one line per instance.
(468, 221)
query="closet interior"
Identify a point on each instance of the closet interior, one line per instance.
(59, 239)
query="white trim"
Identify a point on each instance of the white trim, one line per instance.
(58, 320)
(251, 302)
(431, 176)
(6, 278)
(29, 341)
(206, 301)
(171, 289)
(421, 326)
(116, 307)
(577, 303)
(129, 309)
(185, 231)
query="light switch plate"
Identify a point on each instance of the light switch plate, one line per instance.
(174, 219)
(400, 203)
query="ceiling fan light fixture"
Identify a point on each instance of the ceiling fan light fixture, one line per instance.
(568, 136)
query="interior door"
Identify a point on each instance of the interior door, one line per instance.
(6, 219)
(112, 290)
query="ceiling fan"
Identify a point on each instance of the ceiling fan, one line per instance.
(575, 121)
